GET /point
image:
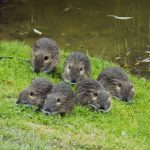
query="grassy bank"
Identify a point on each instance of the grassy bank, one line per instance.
(124, 127)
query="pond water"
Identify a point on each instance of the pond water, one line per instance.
(85, 26)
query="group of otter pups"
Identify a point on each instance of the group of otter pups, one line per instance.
(60, 98)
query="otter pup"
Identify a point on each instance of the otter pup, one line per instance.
(76, 67)
(116, 81)
(91, 93)
(60, 100)
(45, 55)
(35, 93)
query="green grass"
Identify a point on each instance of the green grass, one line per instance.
(21, 128)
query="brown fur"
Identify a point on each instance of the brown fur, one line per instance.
(92, 94)
(116, 81)
(35, 93)
(76, 68)
(44, 55)
(60, 100)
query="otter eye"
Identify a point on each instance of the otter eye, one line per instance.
(31, 94)
(69, 67)
(46, 58)
(58, 101)
(95, 94)
(119, 84)
(81, 68)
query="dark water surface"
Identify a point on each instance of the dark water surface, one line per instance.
(84, 25)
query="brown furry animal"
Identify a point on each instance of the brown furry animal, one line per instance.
(45, 55)
(77, 67)
(91, 93)
(116, 81)
(35, 93)
(60, 100)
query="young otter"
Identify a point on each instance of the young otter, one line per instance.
(60, 100)
(35, 93)
(76, 67)
(91, 93)
(45, 55)
(116, 81)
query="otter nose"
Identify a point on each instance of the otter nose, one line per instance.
(127, 100)
(46, 111)
(73, 81)
(103, 107)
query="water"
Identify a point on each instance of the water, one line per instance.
(85, 26)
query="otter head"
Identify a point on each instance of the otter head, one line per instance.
(45, 55)
(123, 90)
(60, 100)
(76, 68)
(116, 81)
(100, 101)
(74, 72)
(36, 93)
(42, 62)
(93, 94)
(30, 97)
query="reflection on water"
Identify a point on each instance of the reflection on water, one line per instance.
(85, 26)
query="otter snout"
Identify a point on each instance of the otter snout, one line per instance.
(103, 101)
(127, 100)
(105, 108)
(101, 107)
(127, 92)
(107, 104)
(49, 104)
(73, 81)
